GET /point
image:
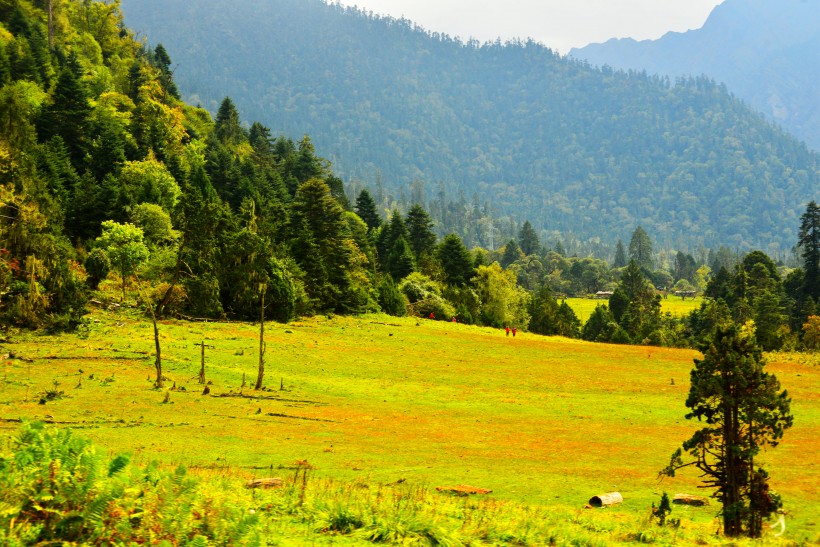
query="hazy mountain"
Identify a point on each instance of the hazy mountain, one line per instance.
(767, 53)
(513, 128)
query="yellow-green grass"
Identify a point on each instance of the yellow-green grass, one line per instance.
(583, 307)
(545, 421)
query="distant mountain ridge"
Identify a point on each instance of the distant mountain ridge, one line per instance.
(513, 131)
(767, 53)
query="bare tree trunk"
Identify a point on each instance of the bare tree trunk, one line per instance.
(202, 364)
(261, 374)
(732, 517)
(50, 24)
(158, 362)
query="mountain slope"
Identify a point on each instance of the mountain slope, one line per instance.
(768, 53)
(576, 150)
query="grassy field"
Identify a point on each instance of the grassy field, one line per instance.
(583, 307)
(542, 421)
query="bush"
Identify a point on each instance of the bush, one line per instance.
(56, 489)
(391, 300)
(418, 286)
(97, 265)
(432, 304)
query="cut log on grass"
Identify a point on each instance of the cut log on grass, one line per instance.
(689, 499)
(463, 490)
(272, 482)
(605, 500)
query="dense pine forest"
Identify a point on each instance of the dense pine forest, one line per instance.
(487, 136)
(110, 180)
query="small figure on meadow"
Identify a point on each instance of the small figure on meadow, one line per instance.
(507, 329)
(514, 331)
(432, 315)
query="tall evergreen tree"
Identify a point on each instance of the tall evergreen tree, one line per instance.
(455, 261)
(386, 240)
(420, 231)
(640, 249)
(809, 243)
(227, 127)
(620, 255)
(512, 253)
(400, 260)
(306, 164)
(528, 239)
(684, 267)
(69, 113)
(322, 247)
(366, 209)
(641, 314)
(162, 61)
(744, 410)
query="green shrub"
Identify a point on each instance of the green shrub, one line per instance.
(56, 488)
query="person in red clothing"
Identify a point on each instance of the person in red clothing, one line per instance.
(454, 319)
(432, 315)
(514, 331)
(507, 329)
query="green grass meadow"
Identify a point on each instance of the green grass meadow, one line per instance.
(544, 422)
(583, 307)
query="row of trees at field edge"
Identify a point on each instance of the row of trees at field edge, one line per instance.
(105, 169)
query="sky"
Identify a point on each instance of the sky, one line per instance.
(558, 24)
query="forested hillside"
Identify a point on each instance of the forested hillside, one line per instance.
(511, 131)
(767, 53)
(112, 186)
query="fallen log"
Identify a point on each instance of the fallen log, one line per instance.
(689, 499)
(605, 500)
(270, 482)
(463, 490)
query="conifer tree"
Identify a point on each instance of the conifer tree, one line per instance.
(227, 127)
(455, 261)
(387, 238)
(400, 260)
(528, 239)
(549, 317)
(322, 247)
(640, 249)
(809, 243)
(162, 61)
(306, 164)
(69, 113)
(742, 409)
(420, 231)
(512, 253)
(366, 209)
(620, 255)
